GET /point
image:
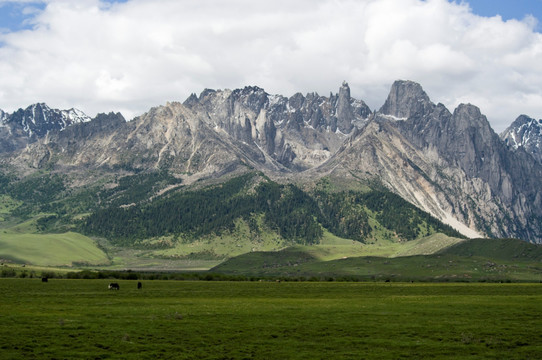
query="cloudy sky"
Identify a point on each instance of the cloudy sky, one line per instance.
(130, 55)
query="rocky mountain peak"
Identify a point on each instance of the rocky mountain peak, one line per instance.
(25, 126)
(298, 132)
(525, 133)
(252, 97)
(406, 98)
(345, 113)
(191, 101)
(470, 116)
(38, 119)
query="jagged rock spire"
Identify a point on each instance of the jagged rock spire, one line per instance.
(345, 115)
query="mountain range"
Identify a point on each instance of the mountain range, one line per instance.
(451, 165)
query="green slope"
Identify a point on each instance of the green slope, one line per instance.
(298, 216)
(498, 249)
(326, 227)
(51, 249)
(470, 260)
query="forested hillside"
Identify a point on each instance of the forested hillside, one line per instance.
(296, 215)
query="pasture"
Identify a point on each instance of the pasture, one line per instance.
(268, 320)
(50, 249)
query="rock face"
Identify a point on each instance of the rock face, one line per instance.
(297, 132)
(406, 99)
(452, 165)
(26, 126)
(525, 133)
(488, 187)
(167, 137)
(213, 131)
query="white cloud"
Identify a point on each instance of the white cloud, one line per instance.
(127, 57)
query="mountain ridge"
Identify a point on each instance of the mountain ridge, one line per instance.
(25, 126)
(452, 165)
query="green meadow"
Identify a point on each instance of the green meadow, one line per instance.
(436, 258)
(65, 249)
(82, 319)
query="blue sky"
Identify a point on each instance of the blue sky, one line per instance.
(507, 9)
(14, 16)
(17, 15)
(131, 55)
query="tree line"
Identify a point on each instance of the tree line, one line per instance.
(293, 213)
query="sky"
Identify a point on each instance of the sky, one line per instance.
(131, 55)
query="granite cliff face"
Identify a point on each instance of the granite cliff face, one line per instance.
(452, 165)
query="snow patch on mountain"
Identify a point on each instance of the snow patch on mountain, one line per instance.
(525, 133)
(38, 119)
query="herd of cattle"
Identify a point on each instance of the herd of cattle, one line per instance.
(115, 286)
(112, 286)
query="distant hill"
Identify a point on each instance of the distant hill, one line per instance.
(69, 249)
(468, 260)
(498, 249)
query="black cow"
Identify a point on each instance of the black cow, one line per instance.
(139, 285)
(114, 286)
(44, 279)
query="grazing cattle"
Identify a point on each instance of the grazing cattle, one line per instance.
(44, 279)
(139, 285)
(114, 286)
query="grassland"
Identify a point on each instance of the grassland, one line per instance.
(332, 247)
(50, 249)
(496, 260)
(268, 320)
(434, 258)
(209, 251)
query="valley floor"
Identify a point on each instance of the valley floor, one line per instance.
(263, 320)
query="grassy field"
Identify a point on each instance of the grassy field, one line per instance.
(471, 260)
(50, 249)
(268, 320)
(332, 247)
